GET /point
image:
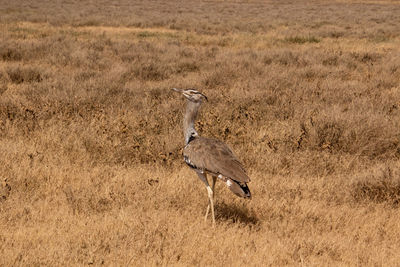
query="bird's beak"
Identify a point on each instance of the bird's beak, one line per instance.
(205, 97)
(181, 91)
(177, 90)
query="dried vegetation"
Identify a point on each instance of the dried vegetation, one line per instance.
(307, 94)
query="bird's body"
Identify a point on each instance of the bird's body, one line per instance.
(210, 156)
(213, 157)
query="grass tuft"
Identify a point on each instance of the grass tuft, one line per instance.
(24, 74)
(383, 187)
(301, 39)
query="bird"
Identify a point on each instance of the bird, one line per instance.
(208, 156)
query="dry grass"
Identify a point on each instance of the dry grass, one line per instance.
(306, 93)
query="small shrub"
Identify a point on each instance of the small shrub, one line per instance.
(21, 74)
(330, 61)
(378, 188)
(146, 34)
(223, 77)
(148, 72)
(336, 34)
(10, 54)
(301, 40)
(366, 57)
(285, 57)
(187, 66)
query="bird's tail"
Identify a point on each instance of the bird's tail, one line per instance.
(239, 189)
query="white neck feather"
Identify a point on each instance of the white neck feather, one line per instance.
(192, 109)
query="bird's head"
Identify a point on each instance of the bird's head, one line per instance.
(191, 94)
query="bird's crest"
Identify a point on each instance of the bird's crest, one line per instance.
(192, 94)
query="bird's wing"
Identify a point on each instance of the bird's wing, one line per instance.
(214, 156)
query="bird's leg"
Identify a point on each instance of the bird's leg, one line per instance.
(203, 177)
(211, 197)
(214, 180)
(208, 209)
(213, 183)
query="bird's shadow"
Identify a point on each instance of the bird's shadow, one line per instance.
(242, 214)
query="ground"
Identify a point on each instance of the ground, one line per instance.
(306, 93)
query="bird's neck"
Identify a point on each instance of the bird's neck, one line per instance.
(189, 131)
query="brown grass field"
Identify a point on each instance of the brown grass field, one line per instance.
(307, 93)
